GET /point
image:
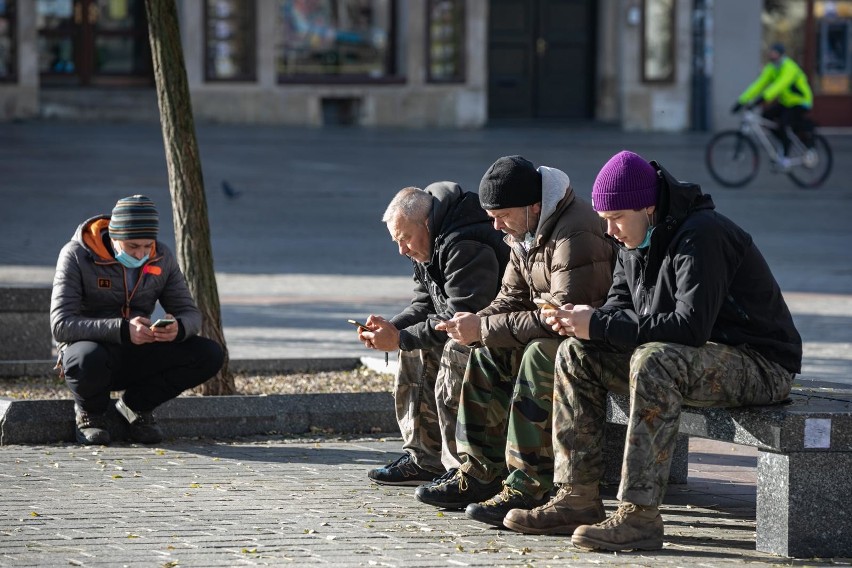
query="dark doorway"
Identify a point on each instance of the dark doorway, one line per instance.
(541, 58)
(94, 42)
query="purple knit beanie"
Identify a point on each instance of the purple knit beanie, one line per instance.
(626, 181)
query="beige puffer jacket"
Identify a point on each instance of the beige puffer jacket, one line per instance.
(570, 261)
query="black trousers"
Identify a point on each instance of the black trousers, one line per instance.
(149, 374)
(793, 117)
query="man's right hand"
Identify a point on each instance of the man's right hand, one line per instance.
(382, 335)
(140, 331)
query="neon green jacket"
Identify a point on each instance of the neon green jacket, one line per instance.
(785, 81)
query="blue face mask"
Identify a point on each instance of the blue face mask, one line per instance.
(130, 261)
(647, 241)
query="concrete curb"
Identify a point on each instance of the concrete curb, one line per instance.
(221, 417)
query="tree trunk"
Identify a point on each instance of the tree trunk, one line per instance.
(189, 203)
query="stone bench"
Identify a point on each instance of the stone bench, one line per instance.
(25, 324)
(804, 466)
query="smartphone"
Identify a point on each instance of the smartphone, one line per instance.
(437, 319)
(544, 304)
(358, 324)
(163, 322)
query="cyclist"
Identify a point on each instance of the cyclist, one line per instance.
(784, 88)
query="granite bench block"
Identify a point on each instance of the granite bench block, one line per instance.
(25, 324)
(804, 486)
(49, 421)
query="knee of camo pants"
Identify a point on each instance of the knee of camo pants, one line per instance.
(447, 393)
(529, 448)
(584, 372)
(657, 370)
(414, 399)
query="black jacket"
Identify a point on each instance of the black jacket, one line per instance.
(702, 279)
(464, 272)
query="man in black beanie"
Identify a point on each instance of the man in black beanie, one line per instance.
(559, 256)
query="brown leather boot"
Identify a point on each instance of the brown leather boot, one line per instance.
(631, 527)
(571, 507)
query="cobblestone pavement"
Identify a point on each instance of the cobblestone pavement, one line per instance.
(272, 502)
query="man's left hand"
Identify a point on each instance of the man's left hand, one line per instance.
(167, 333)
(464, 328)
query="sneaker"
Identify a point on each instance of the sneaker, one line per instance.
(456, 490)
(90, 428)
(493, 511)
(401, 472)
(631, 527)
(571, 507)
(143, 426)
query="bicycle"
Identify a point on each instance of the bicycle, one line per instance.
(733, 158)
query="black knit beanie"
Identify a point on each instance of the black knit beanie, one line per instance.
(511, 181)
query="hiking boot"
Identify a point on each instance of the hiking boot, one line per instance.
(401, 472)
(456, 490)
(631, 527)
(491, 512)
(143, 426)
(90, 428)
(571, 507)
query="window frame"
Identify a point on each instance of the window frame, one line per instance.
(390, 60)
(11, 16)
(461, 73)
(248, 7)
(671, 49)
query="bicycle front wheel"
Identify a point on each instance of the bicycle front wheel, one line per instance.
(815, 165)
(732, 158)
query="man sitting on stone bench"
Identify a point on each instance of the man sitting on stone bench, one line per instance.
(694, 317)
(108, 280)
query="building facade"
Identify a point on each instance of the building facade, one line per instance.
(668, 65)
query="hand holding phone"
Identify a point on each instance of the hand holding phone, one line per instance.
(544, 304)
(358, 324)
(162, 322)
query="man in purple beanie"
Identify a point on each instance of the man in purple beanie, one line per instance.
(694, 316)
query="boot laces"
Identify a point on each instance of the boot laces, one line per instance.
(448, 476)
(504, 496)
(620, 516)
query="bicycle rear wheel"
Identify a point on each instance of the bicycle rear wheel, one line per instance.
(732, 158)
(815, 166)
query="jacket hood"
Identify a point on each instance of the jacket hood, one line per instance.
(678, 198)
(555, 185)
(91, 233)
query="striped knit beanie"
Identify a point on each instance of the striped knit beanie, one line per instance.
(625, 182)
(134, 217)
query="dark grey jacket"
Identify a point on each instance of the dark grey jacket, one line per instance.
(92, 300)
(463, 273)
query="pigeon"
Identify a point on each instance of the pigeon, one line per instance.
(229, 190)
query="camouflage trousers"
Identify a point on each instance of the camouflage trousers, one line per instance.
(660, 378)
(505, 416)
(426, 399)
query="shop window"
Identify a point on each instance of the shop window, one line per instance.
(833, 21)
(335, 40)
(7, 41)
(658, 41)
(230, 40)
(445, 51)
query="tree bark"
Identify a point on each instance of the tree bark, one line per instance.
(186, 184)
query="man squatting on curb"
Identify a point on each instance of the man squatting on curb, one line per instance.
(694, 317)
(559, 255)
(108, 279)
(458, 259)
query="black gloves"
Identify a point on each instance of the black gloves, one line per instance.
(736, 108)
(756, 102)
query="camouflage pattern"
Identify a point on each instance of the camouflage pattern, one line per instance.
(659, 378)
(426, 394)
(505, 416)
